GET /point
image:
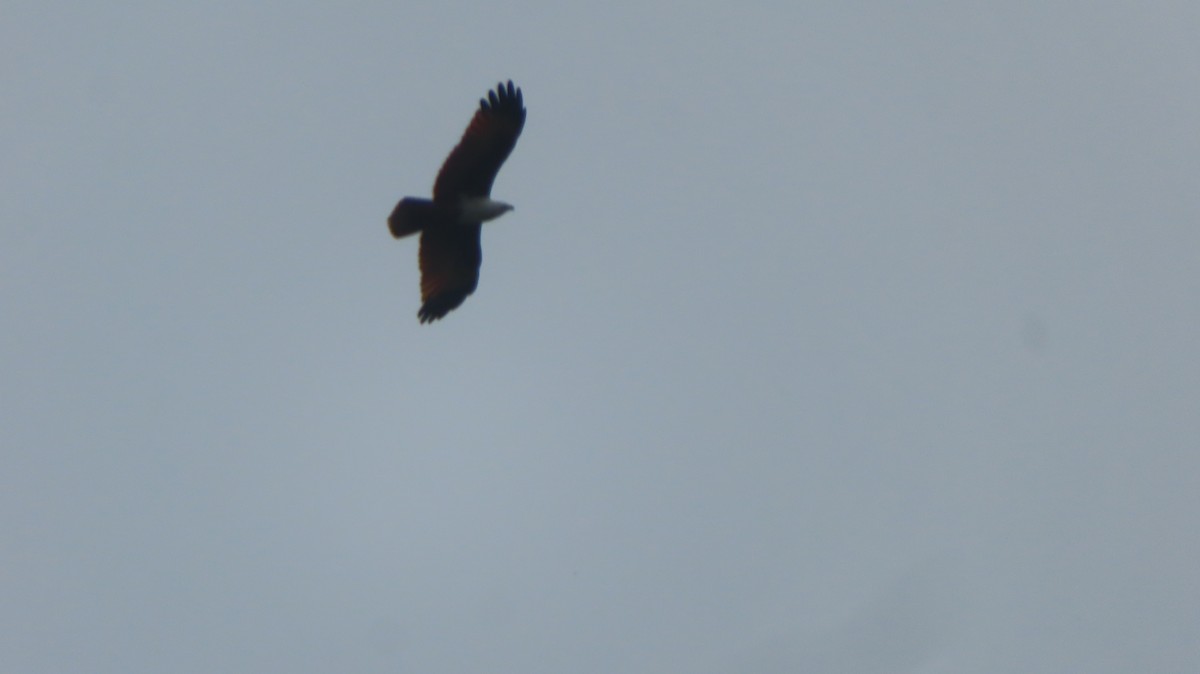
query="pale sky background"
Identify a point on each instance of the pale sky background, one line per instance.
(825, 337)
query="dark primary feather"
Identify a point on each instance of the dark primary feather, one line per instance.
(489, 139)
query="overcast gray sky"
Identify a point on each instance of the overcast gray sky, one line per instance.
(825, 337)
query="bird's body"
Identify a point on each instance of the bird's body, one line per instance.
(450, 222)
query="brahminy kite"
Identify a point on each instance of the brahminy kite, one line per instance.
(450, 223)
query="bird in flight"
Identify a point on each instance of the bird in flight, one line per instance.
(450, 223)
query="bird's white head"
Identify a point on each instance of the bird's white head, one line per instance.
(482, 209)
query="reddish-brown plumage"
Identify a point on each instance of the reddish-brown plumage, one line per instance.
(450, 259)
(450, 253)
(487, 142)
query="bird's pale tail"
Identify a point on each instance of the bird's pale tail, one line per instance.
(410, 216)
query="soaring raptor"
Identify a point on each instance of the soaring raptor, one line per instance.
(450, 222)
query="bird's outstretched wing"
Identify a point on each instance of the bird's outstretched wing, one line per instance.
(450, 259)
(487, 142)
